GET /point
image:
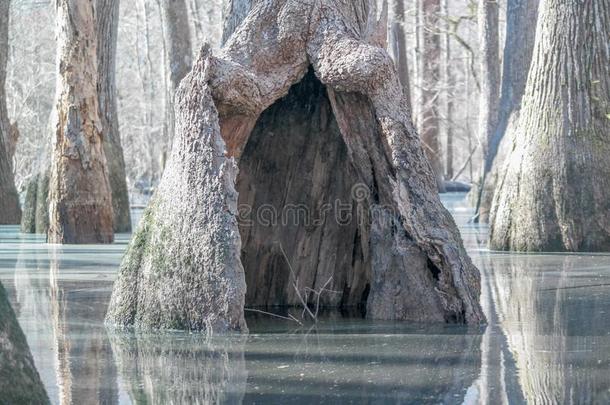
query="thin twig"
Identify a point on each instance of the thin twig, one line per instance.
(290, 318)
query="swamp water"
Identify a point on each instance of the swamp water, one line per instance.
(547, 341)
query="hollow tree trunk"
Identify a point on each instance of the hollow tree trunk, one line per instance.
(398, 46)
(179, 53)
(107, 14)
(10, 211)
(554, 191)
(399, 253)
(522, 16)
(80, 199)
(235, 11)
(430, 76)
(20, 382)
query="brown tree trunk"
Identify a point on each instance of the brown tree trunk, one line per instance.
(398, 253)
(235, 12)
(522, 16)
(20, 382)
(448, 87)
(554, 191)
(10, 210)
(107, 15)
(398, 46)
(80, 199)
(430, 74)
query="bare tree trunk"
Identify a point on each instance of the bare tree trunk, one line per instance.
(179, 54)
(489, 51)
(398, 46)
(107, 14)
(522, 16)
(80, 198)
(448, 87)
(183, 269)
(234, 13)
(10, 210)
(20, 382)
(554, 191)
(430, 71)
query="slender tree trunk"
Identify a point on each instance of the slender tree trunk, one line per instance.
(10, 210)
(179, 54)
(107, 14)
(489, 60)
(20, 382)
(398, 46)
(188, 264)
(430, 70)
(234, 13)
(554, 191)
(80, 198)
(448, 85)
(522, 16)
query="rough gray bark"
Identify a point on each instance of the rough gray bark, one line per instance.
(10, 211)
(183, 267)
(19, 379)
(554, 191)
(235, 12)
(430, 76)
(80, 198)
(107, 18)
(398, 46)
(522, 16)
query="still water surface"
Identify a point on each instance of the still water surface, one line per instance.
(548, 339)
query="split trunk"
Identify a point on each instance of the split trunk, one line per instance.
(336, 197)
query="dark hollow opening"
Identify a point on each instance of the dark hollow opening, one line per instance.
(299, 222)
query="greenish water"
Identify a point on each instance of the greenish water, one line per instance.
(548, 339)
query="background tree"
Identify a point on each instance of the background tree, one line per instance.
(10, 211)
(398, 45)
(489, 66)
(107, 17)
(234, 13)
(522, 16)
(179, 54)
(554, 191)
(430, 77)
(80, 199)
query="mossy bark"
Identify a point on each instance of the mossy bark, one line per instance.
(19, 379)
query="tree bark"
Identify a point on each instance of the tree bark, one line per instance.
(179, 55)
(80, 199)
(10, 210)
(183, 269)
(489, 61)
(554, 191)
(107, 14)
(398, 46)
(235, 12)
(430, 74)
(19, 379)
(522, 16)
